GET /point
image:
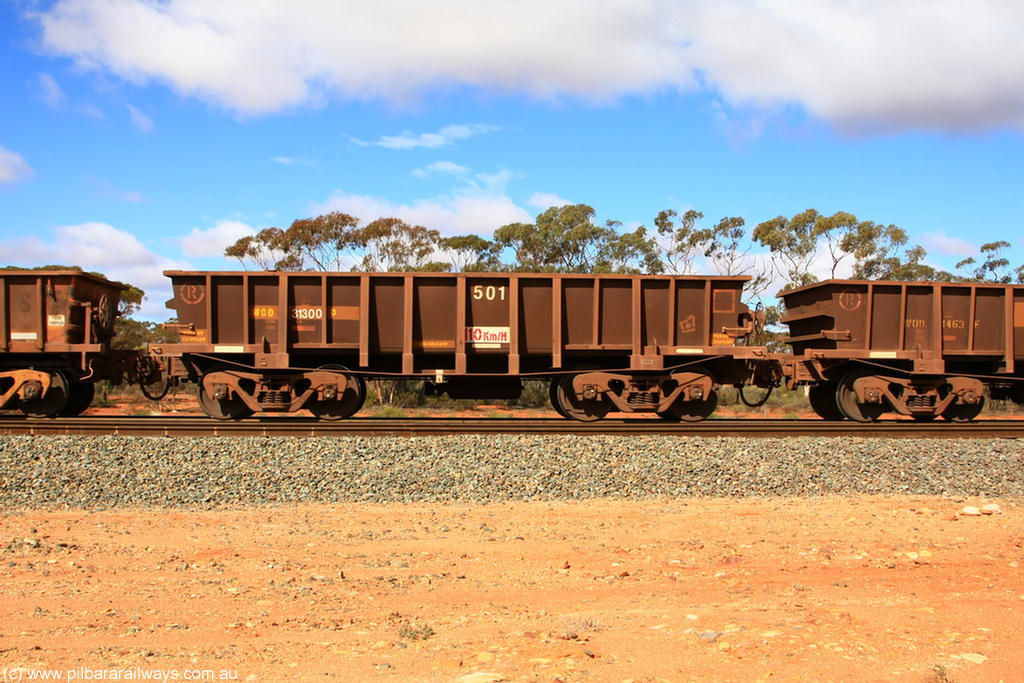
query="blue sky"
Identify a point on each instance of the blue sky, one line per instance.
(138, 136)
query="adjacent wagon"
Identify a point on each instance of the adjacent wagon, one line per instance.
(56, 327)
(921, 349)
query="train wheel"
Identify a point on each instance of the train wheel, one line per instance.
(346, 405)
(822, 398)
(223, 408)
(563, 398)
(690, 411)
(846, 399)
(80, 397)
(553, 392)
(52, 402)
(963, 412)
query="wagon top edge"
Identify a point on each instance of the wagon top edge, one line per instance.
(65, 273)
(898, 283)
(481, 274)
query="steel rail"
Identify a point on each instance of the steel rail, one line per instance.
(308, 427)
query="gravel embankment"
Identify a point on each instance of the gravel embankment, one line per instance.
(91, 472)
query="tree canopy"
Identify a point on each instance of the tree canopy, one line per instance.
(810, 239)
(795, 250)
(565, 239)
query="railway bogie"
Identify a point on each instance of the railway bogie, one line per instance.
(329, 393)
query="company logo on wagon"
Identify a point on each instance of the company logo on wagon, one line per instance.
(487, 337)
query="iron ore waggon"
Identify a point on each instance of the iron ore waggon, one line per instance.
(285, 341)
(56, 327)
(289, 341)
(922, 349)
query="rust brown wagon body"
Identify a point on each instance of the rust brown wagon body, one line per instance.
(283, 341)
(922, 349)
(55, 332)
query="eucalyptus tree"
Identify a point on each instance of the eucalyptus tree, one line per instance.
(565, 239)
(471, 253)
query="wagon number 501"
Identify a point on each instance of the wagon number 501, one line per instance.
(490, 292)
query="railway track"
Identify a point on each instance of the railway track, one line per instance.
(306, 427)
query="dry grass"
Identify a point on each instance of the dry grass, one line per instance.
(939, 674)
(574, 628)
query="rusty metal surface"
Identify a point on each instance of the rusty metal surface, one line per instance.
(47, 311)
(456, 324)
(916, 321)
(306, 427)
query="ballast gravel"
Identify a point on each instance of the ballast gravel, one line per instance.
(111, 471)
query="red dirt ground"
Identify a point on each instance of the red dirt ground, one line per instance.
(824, 589)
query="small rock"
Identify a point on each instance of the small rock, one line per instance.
(480, 677)
(451, 664)
(971, 511)
(709, 636)
(992, 509)
(974, 658)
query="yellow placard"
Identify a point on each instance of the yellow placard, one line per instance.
(721, 339)
(264, 312)
(345, 313)
(193, 336)
(436, 343)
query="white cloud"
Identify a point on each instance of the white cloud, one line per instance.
(213, 241)
(546, 200)
(89, 245)
(139, 120)
(442, 138)
(493, 183)
(91, 110)
(292, 161)
(53, 96)
(50, 91)
(478, 204)
(393, 49)
(869, 65)
(441, 167)
(108, 191)
(941, 243)
(741, 125)
(13, 168)
(457, 215)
